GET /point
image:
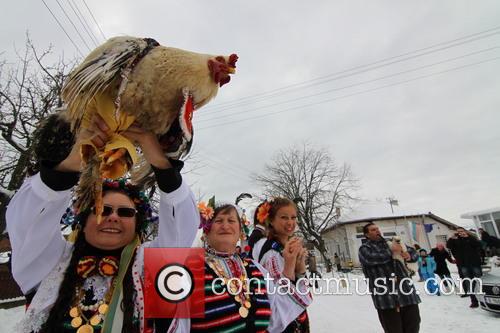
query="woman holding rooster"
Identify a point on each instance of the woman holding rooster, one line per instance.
(93, 283)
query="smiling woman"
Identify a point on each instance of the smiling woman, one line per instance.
(240, 295)
(283, 255)
(93, 283)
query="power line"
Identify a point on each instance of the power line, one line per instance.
(232, 163)
(351, 85)
(228, 168)
(60, 25)
(370, 64)
(83, 22)
(243, 103)
(74, 26)
(328, 77)
(351, 95)
(102, 33)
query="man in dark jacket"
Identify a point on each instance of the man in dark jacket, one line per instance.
(466, 250)
(492, 243)
(392, 290)
(440, 255)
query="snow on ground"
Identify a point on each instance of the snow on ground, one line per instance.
(356, 314)
(8, 318)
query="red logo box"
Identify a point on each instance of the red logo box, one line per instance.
(174, 283)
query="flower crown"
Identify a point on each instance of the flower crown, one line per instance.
(141, 202)
(263, 212)
(206, 213)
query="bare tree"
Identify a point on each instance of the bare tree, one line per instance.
(319, 186)
(29, 92)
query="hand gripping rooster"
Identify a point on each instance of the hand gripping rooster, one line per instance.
(135, 80)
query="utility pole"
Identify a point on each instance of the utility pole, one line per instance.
(392, 202)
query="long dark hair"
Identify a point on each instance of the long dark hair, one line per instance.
(66, 295)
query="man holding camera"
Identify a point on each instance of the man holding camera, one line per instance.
(466, 250)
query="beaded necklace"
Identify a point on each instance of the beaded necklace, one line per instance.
(98, 310)
(231, 269)
(88, 267)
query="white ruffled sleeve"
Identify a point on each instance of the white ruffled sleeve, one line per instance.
(299, 293)
(33, 222)
(179, 218)
(284, 307)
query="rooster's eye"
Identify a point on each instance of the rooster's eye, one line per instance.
(221, 59)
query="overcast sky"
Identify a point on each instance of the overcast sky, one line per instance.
(422, 126)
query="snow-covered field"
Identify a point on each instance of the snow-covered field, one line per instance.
(356, 314)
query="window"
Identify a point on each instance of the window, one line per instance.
(496, 216)
(498, 228)
(488, 227)
(390, 234)
(484, 217)
(359, 229)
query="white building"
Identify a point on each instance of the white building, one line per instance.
(426, 230)
(488, 219)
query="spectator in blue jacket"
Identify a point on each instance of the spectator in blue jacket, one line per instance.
(427, 267)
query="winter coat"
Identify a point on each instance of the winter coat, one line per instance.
(381, 269)
(440, 258)
(427, 266)
(466, 251)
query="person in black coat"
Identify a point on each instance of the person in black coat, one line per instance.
(258, 232)
(440, 255)
(466, 250)
(492, 243)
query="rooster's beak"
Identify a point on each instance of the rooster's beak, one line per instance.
(231, 70)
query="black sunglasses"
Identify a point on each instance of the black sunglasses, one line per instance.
(120, 211)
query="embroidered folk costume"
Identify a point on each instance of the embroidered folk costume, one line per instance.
(269, 253)
(41, 256)
(237, 296)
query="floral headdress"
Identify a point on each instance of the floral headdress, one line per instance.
(141, 202)
(207, 211)
(263, 212)
(206, 214)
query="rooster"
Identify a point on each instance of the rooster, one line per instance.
(130, 80)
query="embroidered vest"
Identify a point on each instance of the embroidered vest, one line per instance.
(221, 311)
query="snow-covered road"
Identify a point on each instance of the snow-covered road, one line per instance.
(356, 314)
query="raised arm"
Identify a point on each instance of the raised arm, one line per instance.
(34, 214)
(179, 218)
(33, 222)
